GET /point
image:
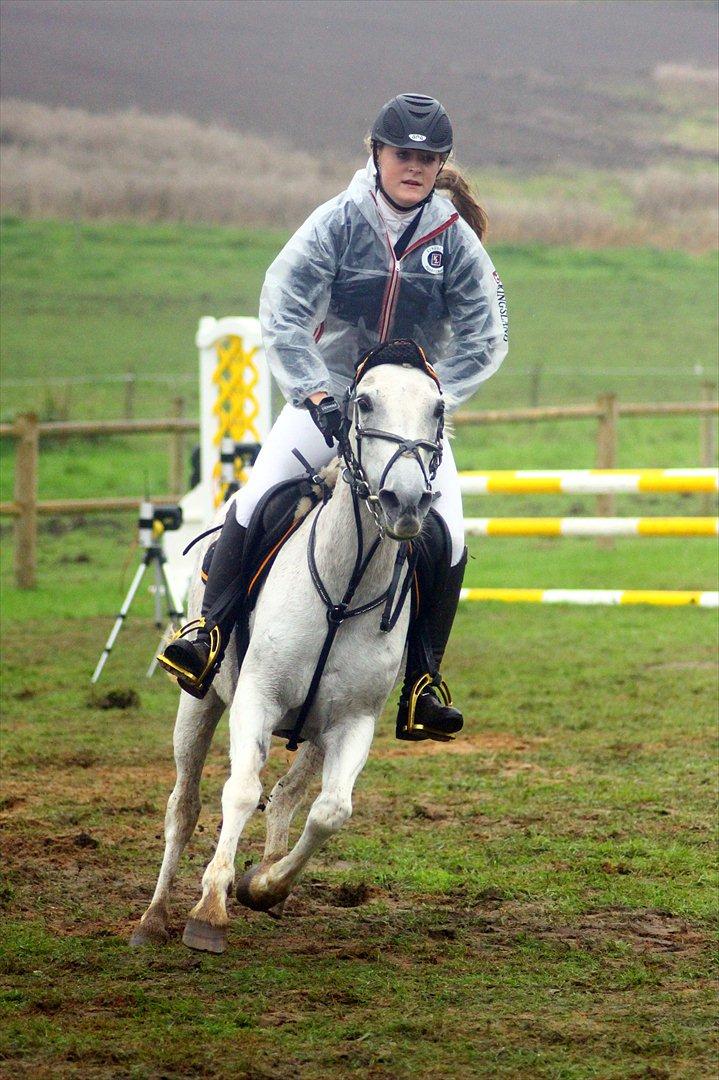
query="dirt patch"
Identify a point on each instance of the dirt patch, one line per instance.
(645, 930)
(120, 698)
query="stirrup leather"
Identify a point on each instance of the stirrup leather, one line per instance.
(422, 684)
(194, 684)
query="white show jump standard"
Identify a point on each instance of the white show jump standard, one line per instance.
(589, 481)
(586, 526)
(658, 598)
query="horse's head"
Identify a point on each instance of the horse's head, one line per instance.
(397, 419)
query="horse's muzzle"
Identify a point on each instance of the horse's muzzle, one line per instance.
(404, 519)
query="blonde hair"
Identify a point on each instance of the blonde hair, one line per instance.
(457, 187)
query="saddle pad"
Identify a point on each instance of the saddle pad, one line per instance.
(275, 518)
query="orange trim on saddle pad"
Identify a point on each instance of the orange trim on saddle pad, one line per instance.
(270, 556)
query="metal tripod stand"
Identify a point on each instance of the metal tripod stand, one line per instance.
(152, 524)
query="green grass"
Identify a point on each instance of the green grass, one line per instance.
(538, 899)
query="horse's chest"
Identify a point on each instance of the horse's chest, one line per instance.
(361, 666)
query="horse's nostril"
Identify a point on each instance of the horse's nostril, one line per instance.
(389, 501)
(425, 502)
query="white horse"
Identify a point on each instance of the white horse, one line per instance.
(288, 629)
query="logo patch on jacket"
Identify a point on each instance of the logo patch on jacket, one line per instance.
(433, 259)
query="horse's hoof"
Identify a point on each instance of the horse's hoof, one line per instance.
(204, 936)
(257, 899)
(151, 930)
(278, 911)
(143, 935)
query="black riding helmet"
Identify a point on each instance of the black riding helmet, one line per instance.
(414, 122)
(411, 122)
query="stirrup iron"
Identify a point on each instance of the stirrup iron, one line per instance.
(411, 728)
(196, 685)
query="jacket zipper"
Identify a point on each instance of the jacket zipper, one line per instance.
(391, 293)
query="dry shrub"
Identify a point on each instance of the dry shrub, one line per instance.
(555, 221)
(677, 204)
(660, 192)
(701, 83)
(59, 162)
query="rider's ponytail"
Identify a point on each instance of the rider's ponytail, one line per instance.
(451, 180)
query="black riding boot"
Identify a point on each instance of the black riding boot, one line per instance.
(194, 662)
(425, 704)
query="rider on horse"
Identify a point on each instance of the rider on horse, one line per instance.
(388, 258)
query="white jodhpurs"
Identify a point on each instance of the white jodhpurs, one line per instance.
(295, 428)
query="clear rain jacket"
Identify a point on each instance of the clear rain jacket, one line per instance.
(337, 289)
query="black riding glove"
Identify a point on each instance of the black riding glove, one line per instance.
(328, 418)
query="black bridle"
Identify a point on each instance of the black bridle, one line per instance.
(354, 475)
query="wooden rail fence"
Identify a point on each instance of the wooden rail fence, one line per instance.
(27, 431)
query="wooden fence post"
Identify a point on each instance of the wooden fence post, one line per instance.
(130, 387)
(708, 436)
(26, 470)
(607, 446)
(176, 465)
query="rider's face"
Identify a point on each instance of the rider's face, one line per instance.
(408, 175)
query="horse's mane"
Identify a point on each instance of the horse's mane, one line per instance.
(329, 475)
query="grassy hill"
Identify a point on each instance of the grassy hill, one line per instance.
(92, 302)
(104, 299)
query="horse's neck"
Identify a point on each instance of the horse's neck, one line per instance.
(336, 546)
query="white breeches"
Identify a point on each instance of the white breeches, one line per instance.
(295, 428)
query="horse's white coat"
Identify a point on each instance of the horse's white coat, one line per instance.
(287, 633)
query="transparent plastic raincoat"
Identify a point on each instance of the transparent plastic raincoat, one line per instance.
(337, 289)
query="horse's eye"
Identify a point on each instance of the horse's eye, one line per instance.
(364, 405)
(439, 409)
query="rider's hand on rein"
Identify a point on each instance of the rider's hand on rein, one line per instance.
(327, 416)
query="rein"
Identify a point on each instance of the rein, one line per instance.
(354, 475)
(337, 614)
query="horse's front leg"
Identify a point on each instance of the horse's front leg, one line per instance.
(250, 735)
(194, 728)
(283, 802)
(346, 746)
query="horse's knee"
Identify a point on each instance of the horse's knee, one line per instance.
(241, 795)
(329, 813)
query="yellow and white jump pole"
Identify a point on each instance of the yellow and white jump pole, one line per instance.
(589, 481)
(654, 597)
(586, 526)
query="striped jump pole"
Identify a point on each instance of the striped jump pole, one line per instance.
(586, 526)
(658, 598)
(589, 481)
